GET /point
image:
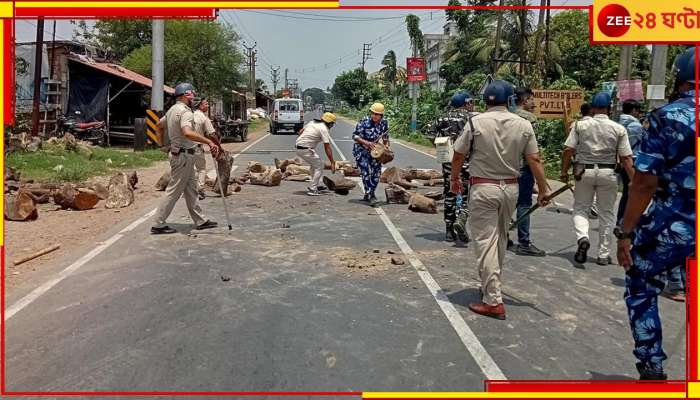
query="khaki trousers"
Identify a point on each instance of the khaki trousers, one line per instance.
(490, 209)
(601, 183)
(182, 181)
(310, 156)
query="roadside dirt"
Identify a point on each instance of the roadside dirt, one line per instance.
(74, 229)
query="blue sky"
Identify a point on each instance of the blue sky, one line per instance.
(316, 45)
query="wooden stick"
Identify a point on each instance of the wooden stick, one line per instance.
(37, 254)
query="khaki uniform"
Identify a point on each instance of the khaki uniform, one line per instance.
(203, 126)
(501, 140)
(182, 159)
(598, 142)
(314, 133)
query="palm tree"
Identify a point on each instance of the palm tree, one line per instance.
(415, 34)
(389, 70)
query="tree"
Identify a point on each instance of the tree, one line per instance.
(350, 86)
(389, 71)
(260, 85)
(118, 37)
(200, 52)
(317, 95)
(415, 35)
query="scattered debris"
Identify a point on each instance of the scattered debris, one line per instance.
(382, 153)
(225, 278)
(390, 252)
(121, 193)
(285, 226)
(37, 254)
(339, 184)
(396, 194)
(423, 174)
(223, 164)
(282, 165)
(235, 188)
(376, 251)
(20, 207)
(396, 176)
(435, 182)
(397, 261)
(100, 190)
(75, 198)
(294, 169)
(271, 177)
(435, 195)
(163, 181)
(298, 178)
(420, 203)
(256, 167)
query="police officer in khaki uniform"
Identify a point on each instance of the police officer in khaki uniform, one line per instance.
(598, 143)
(179, 123)
(204, 127)
(496, 146)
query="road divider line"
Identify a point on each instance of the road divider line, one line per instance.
(39, 291)
(250, 145)
(476, 349)
(409, 147)
(340, 153)
(483, 359)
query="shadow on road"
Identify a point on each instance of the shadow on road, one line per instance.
(471, 295)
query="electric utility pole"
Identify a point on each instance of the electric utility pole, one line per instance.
(659, 53)
(39, 46)
(251, 59)
(158, 65)
(275, 79)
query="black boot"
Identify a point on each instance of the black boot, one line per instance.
(647, 372)
(450, 235)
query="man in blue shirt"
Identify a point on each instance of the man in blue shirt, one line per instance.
(661, 238)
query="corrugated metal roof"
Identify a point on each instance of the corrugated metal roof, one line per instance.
(117, 70)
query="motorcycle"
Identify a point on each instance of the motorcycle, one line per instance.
(94, 132)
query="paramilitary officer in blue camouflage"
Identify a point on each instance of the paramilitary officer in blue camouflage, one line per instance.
(661, 238)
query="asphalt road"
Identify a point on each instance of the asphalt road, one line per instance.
(274, 305)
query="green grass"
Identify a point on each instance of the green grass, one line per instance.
(40, 166)
(257, 123)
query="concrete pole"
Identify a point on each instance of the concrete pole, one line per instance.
(659, 54)
(158, 65)
(625, 70)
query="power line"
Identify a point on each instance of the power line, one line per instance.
(329, 18)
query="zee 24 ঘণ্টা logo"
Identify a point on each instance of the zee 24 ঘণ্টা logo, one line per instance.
(635, 21)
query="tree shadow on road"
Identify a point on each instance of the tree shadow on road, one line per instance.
(471, 295)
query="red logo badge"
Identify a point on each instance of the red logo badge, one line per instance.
(614, 20)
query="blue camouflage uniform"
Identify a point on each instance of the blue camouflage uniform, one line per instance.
(665, 235)
(370, 168)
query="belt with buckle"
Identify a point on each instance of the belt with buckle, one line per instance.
(475, 180)
(188, 151)
(600, 166)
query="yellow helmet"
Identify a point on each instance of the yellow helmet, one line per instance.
(377, 108)
(328, 117)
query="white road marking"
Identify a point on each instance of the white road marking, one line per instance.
(471, 342)
(476, 349)
(39, 291)
(250, 145)
(409, 147)
(340, 153)
(36, 293)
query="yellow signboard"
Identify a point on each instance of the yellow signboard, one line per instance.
(645, 21)
(557, 104)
